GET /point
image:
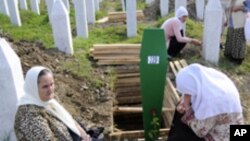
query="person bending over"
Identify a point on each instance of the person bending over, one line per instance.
(174, 33)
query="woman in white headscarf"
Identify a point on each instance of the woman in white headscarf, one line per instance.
(210, 102)
(39, 116)
(174, 33)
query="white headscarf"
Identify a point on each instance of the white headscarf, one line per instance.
(31, 96)
(212, 92)
(181, 11)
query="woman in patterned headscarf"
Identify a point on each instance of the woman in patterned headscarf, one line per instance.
(174, 33)
(209, 105)
(40, 116)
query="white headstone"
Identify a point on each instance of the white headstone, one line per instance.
(35, 6)
(4, 7)
(14, 12)
(23, 5)
(123, 5)
(200, 6)
(149, 1)
(61, 27)
(67, 6)
(179, 3)
(212, 31)
(97, 5)
(164, 7)
(81, 18)
(49, 4)
(90, 5)
(11, 84)
(131, 18)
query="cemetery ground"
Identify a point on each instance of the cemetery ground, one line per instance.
(86, 89)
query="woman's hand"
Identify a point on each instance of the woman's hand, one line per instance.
(195, 42)
(84, 135)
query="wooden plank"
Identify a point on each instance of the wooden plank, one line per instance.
(128, 80)
(171, 64)
(117, 57)
(128, 100)
(128, 94)
(178, 65)
(116, 46)
(137, 74)
(136, 109)
(136, 133)
(183, 63)
(118, 62)
(127, 89)
(116, 51)
(121, 16)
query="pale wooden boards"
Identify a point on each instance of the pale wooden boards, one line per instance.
(121, 16)
(116, 54)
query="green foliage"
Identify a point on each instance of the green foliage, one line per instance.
(34, 28)
(155, 126)
(194, 29)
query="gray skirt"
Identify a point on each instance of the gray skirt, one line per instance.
(235, 46)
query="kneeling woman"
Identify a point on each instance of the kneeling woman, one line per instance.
(210, 104)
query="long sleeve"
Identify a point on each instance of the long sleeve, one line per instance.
(34, 129)
(200, 127)
(33, 123)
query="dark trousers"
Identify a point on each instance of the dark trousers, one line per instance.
(180, 131)
(175, 47)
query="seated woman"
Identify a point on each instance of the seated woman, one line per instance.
(174, 33)
(39, 116)
(209, 105)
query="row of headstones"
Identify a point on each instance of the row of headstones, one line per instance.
(62, 32)
(10, 8)
(164, 6)
(212, 23)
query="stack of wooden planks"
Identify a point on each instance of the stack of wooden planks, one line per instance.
(121, 16)
(116, 54)
(127, 85)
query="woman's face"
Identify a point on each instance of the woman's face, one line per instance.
(183, 18)
(46, 87)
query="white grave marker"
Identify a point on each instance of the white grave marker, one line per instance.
(23, 5)
(4, 7)
(67, 6)
(131, 18)
(164, 7)
(11, 84)
(35, 6)
(90, 5)
(14, 12)
(81, 18)
(212, 31)
(179, 3)
(149, 1)
(49, 4)
(61, 27)
(123, 5)
(97, 5)
(200, 6)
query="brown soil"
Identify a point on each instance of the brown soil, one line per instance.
(87, 103)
